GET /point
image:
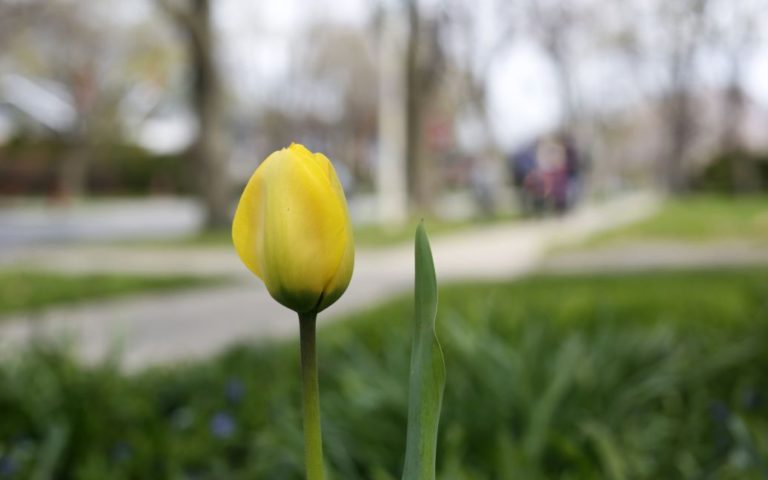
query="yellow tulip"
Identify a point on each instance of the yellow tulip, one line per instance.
(292, 229)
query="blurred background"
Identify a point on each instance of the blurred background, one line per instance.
(593, 176)
(414, 101)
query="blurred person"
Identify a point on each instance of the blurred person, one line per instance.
(547, 174)
(549, 179)
(521, 164)
(573, 167)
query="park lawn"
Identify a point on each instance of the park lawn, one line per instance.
(643, 376)
(36, 290)
(699, 218)
(379, 236)
(365, 236)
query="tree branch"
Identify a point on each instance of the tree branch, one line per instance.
(183, 17)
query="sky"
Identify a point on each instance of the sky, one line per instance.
(260, 38)
(259, 43)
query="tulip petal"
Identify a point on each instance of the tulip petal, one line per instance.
(292, 229)
(247, 234)
(340, 279)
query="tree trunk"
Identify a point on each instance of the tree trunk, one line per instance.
(73, 170)
(76, 161)
(563, 73)
(681, 122)
(391, 174)
(679, 134)
(416, 155)
(208, 150)
(744, 175)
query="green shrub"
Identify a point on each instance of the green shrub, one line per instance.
(130, 169)
(718, 176)
(646, 376)
(32, 166)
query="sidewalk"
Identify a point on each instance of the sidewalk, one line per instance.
(658, 255)
(166, 328)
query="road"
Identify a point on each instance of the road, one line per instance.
(30, 224)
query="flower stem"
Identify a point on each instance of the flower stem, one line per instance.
(313, 441)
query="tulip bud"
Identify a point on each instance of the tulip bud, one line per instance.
(292, 229)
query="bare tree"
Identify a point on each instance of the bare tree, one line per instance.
(423, 64)
(88, 61)
(14, 14)
(553, 24)
(391, 178)
(685, 24)
(662, 41)
(72, 53)
(208, 151)
(735, 32)
(473, 60)
(352, 75)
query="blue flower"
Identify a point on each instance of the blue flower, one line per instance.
(121, 452)
(719, 412)
(234, 390)
(8, 467)
(222, 425)
(751, 399)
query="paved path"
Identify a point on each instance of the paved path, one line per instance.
(658, 255)
(37, 223)
(171, 327)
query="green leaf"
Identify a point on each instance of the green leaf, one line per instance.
(427, 376)
(50, 453)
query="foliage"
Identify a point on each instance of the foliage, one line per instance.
(130, 169)
(718, 176)
(605, 377)
(31, 166)
(29, 291)
(426, 383)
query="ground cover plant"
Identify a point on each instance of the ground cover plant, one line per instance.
(292, 230)
(641, 376)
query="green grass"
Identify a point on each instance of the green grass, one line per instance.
(700, 218)
(30, 291)
(376, 236)
(365, 236)
(643, 376)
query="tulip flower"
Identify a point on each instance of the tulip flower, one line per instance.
(292, 230)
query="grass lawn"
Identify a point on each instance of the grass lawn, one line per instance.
(29, 291)
(700, 218)
(642, 376)
(376, 236)
(365, 236)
